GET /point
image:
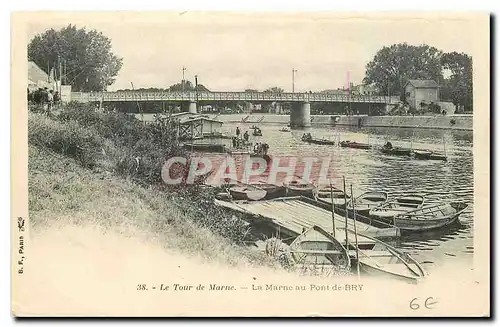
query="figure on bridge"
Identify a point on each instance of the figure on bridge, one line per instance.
(237, 131)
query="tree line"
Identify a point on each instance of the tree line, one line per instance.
(84, 60)
(394, 65)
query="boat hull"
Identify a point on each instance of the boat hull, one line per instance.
(424, 225)
(396, 152)
(320, 142)
(430, 217)
(429, 156)
(373, 270)
(354, 145)
(249, 195)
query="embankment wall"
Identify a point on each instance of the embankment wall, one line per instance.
(456, 122)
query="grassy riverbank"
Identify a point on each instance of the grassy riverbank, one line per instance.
(82, 172)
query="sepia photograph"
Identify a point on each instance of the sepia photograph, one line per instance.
(229, 164)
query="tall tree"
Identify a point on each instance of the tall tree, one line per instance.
(82, 57)
(188, 86)
(393, 66)
(458, 87)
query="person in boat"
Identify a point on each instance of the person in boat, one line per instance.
(265, 148)
(246, 136)
(237, 131)
(256, 147)
(388, 145)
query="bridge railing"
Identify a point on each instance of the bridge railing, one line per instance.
(226, 96)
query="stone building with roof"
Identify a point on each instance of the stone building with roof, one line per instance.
(421, 93)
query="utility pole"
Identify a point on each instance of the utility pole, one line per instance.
(196, 90)
(293, 79)
(60, 74)
(183, 70)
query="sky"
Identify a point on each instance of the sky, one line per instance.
(233, 52)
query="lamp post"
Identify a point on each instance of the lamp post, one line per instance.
(196, 90)
(293, 79)
(183, 70)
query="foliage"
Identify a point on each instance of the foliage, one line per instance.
(177, 87)
(394, 65)
(274, 89)
(69, 139)
(85, 57)
(458, 87)
(120, 144)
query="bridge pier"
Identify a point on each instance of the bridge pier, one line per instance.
(300, 115)
(190, 107)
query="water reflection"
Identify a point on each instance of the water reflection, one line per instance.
(372, 170)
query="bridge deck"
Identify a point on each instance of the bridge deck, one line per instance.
(226, 96)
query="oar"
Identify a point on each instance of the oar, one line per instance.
(371, 258)
(399, 257)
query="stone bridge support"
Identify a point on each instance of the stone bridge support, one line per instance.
(190, 107)
(300, 115)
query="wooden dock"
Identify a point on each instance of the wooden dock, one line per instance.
(294, 214)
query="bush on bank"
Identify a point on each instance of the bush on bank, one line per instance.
(124, 146)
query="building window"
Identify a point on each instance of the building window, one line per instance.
(408, 94)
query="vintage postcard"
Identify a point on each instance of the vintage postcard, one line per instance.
(196, 164)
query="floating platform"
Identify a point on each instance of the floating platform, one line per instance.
(204, 147)
(293, 215)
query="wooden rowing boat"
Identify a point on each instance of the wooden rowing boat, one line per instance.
(430, 217)
(294, 188)
(247, 192)
(257, 132)
(355, 145)
(317, 141)
(324, 195)
(429, 155)
(397, 151)
(399, 205)
(367, 201)
(272, 191)
(385, 260)
(316, 251)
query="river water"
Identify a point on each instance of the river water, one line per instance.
(370, 170)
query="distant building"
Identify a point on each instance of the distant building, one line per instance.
(195, 126)
(363, 90)
(37, 77)
(420, 93)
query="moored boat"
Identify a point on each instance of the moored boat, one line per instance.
(355, 145)
(429, 155)
(319, 141)
(430, 217)
(384, 260)
(399, 205)
(395, 151)
(317, 252)
(285, 129)
(324, 195)
(309, 139)
(247, 192)
(257, 132)
(272, 191)
(295, 188)
(367, 201)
